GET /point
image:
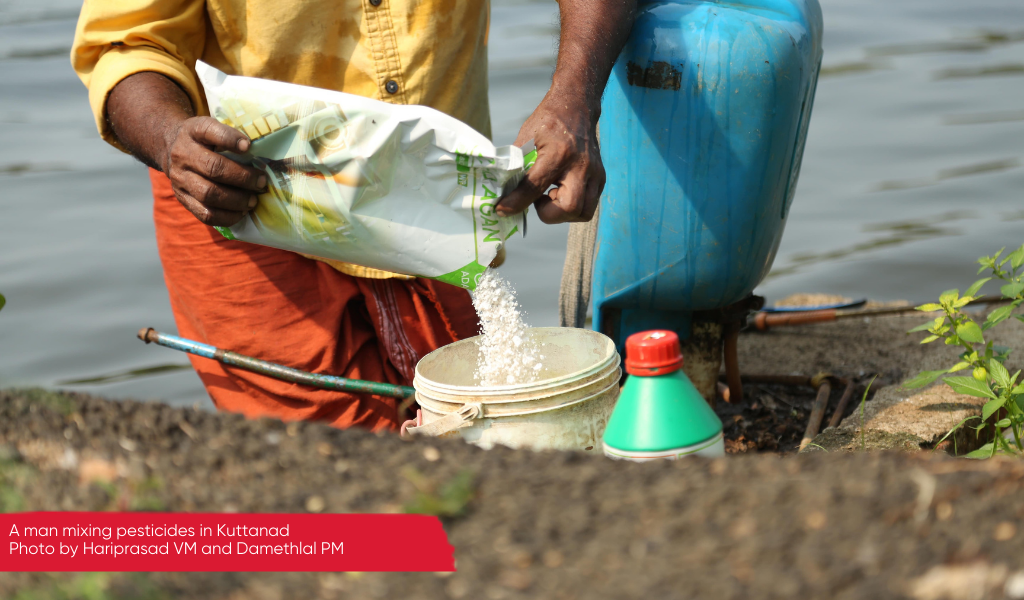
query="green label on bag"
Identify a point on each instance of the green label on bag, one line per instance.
(529, 159)
(462, 162)
(224, 231)
(466, 277)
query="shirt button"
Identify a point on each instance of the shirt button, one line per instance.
(375, 2)
(391, 86)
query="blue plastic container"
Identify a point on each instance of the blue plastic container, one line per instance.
(703, 126)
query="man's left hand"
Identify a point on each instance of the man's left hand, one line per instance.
(564, 131)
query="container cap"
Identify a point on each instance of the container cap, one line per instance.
(653, 352)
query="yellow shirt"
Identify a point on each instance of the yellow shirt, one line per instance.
(429, 52)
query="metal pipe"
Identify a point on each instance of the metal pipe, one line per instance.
(732, 364)
(837, 416)
(822, 383)
(325, 382)
(817, 410)
(765, 321)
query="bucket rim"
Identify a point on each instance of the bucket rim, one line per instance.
(423, 384)
(493, 390)
(611, 376)
(487, 415)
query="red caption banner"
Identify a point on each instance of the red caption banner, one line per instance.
(103, 541)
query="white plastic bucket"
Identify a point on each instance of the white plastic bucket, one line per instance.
(567, 408)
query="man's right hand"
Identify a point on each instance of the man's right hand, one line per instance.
(154, 119)
(216, 189)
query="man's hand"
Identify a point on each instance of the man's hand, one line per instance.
(153, 118)
(568, 158)
(217, 190)
(564, 126)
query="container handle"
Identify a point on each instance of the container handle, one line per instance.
(446, 424)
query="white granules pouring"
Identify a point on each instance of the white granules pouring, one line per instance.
(506, 357)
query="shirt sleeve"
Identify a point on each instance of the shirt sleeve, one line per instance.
(118, 38)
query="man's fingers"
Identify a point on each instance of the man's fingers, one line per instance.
(213, 217)
(216, 195)
(214, 134)
(220, 169)
(538, 179)
(567, 201)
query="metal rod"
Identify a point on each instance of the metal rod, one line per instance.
(765, 321)
(817, 411)
(732, 365)
(822, 383)
(837, 416)
(325, 382)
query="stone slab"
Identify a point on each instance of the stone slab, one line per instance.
(897, 418)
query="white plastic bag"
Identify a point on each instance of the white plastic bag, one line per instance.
(400, 188)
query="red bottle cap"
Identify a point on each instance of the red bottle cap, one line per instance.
(653, 353)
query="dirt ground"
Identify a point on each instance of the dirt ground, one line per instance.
(552, 525)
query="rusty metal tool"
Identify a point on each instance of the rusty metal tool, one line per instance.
(765, 321)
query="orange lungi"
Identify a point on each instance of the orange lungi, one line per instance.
(279, 306)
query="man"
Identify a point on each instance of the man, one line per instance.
(137, 57)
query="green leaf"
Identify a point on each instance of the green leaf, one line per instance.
(1018, 390)
(986, 451)
(963, 301)
(990, 408)
(1001, 351)
(930, 307)
(1004, 423)
(1012, 290)
(930, 338)
(970, 332)
(976, 286)
(960, 366)
(952, 431)
(928, 326)
(997, 316)
(1017, 258)
(922, 379)
(948, 296)
(3, 301)
(970, 386)
(1019, 318)
(999, 373)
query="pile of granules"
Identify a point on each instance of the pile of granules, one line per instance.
(506, 357)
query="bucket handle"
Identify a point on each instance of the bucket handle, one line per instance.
(446, 424)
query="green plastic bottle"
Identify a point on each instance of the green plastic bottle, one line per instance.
(659, 413)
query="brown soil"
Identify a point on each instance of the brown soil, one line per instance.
(552, 525)
(866, 351)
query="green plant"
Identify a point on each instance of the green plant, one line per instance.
(446, 500)
(3, 301)
(863, 400)
(989, 378)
